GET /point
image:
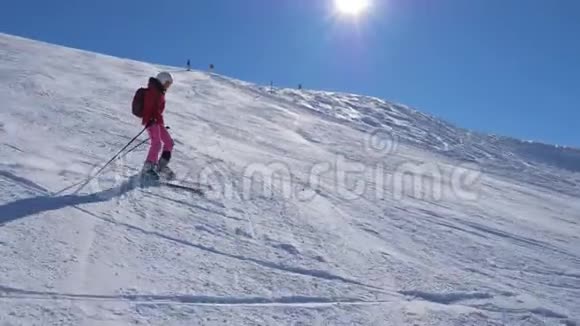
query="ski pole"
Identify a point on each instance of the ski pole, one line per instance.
(139, 145)
(136, 146)
(109, 162)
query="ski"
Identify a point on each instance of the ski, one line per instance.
(195, 190)
(157, 180)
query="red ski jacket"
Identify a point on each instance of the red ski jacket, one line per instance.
(154, 103)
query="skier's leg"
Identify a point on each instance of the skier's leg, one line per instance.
(155, 144)
(166, 155)
(167, 146)
(166, 139)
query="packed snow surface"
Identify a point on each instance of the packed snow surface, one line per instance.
(319, 209)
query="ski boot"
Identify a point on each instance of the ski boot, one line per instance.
(149, 172)
(163, 169)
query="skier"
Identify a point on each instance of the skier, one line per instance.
(188, 65)
(153, 107)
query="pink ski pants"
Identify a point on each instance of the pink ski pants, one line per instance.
(158, 137)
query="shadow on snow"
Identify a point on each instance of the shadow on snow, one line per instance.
(30, 206)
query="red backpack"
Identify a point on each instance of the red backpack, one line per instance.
(139, 102)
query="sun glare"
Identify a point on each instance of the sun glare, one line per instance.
(352, 7)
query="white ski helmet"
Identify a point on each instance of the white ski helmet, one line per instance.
(164, 77)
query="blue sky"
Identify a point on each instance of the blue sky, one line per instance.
(510, 67)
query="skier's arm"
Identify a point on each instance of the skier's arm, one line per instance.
(148, 107)
(158, 112)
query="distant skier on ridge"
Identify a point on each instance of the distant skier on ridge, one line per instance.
(153, 107)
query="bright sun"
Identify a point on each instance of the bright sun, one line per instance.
(352, 7)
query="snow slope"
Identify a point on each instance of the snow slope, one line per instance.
(326, 209)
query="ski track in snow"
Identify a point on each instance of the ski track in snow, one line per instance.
(120, 252)
(187, 299)
(289, 269)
